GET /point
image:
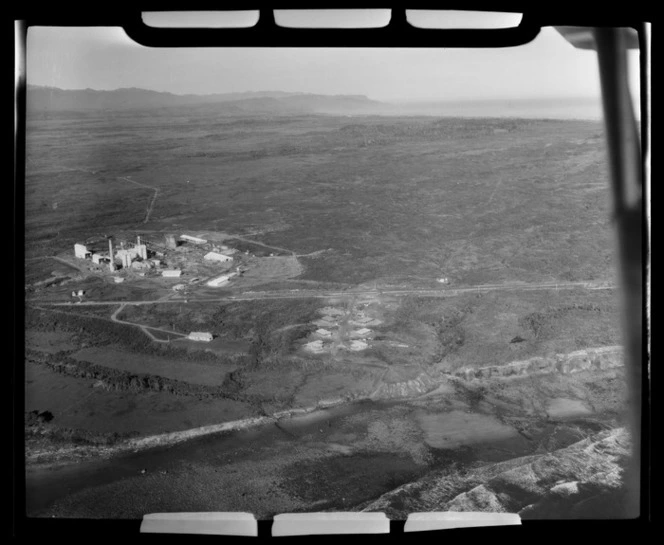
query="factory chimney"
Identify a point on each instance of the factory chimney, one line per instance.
(110, 254)
(138, 240)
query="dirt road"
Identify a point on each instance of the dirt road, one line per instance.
(320, 294)
(145, 329)
(152, 200)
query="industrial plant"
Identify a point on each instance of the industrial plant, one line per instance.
(135, 256)
(167, 258)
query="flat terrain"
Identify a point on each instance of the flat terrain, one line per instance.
(388, 199)
(345, 227)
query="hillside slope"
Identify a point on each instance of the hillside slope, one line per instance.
(583, 480)
(52, 99)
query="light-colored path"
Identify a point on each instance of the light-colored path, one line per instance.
(152, 200)
(322, 294)
(145, 329)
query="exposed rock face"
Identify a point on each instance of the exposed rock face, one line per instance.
(583, 480)
(606, 357)
(421, 384)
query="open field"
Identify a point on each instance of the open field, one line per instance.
(85, 405)
(401, 200)
(340, 224)
(194, 373)
(258, 353)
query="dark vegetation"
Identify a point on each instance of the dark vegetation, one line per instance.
(477, 200)
(272, 327)
(94, 330)
(39, 431)
(117, 380)
(545, 324)
(497, 328)
(434, 328)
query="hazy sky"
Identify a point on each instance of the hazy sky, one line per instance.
(105, 58)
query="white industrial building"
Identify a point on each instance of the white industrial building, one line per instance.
(195, 240)
(132, 253)
(358, 345)
(214, 256)
(127, 255)
(200, 336)
(171, 273)
(221, 280)
(140, 265)
(141, 250)
(81, 251)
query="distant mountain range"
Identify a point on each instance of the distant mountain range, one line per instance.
(52, 99)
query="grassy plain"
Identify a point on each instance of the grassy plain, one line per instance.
(367, 201)
(390, 199)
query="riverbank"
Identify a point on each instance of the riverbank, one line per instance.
(473, 384)
(313, 458)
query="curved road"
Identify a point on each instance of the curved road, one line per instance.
(145, 329)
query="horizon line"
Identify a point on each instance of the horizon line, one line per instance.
(403, 100)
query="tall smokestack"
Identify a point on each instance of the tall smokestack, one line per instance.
(110, 254)
(138, 240)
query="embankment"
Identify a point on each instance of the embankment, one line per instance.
(583, 480)
(420, 385)
(606, 357)
(600, 358)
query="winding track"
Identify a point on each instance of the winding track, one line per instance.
(145, 329)
(154, 197)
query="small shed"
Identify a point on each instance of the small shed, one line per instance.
(200, 336)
